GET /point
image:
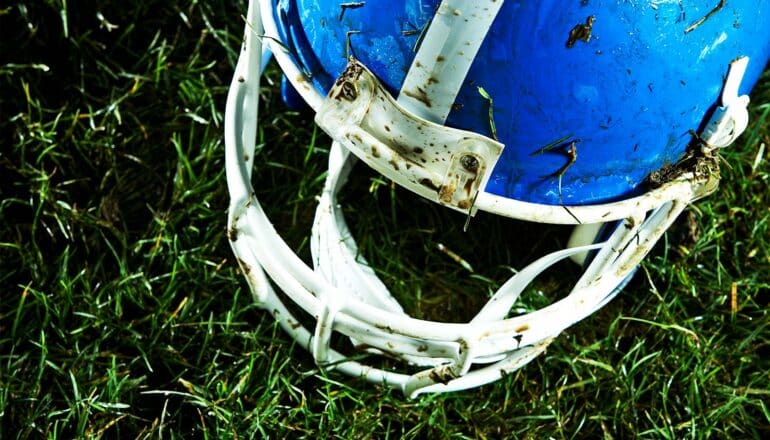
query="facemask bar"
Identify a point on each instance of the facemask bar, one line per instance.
(373, 319)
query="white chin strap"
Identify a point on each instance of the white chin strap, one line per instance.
(342, 293)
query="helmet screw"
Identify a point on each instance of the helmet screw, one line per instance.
(470, 163)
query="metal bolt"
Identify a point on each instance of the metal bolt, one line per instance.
(470, 163)
(349, 91)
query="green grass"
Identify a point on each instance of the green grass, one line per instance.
(123, 312)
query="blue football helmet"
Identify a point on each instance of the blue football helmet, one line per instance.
(604, 115)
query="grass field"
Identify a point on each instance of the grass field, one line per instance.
(123, 312)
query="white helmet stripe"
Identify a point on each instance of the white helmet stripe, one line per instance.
(445, 55)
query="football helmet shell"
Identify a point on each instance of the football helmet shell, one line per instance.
(628, 82)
